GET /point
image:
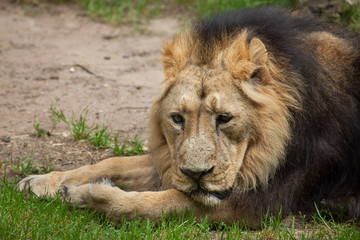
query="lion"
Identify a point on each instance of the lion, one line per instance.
(259, 111)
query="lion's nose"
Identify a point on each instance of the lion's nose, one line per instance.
(196, 174)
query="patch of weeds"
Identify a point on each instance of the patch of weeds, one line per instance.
(25, 166)
(101, 138)
(271, 224)
(37, 2)
(350, 16)
(129, 147)
(78, 126)
(46, 168)
(204, 8)
(40, 132)
(122, 11)
(98, 136)
(2, 164)
(32, 2)
(57, 115)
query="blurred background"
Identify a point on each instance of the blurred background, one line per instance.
(119, 11)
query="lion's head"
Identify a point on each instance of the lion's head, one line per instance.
(222, 120)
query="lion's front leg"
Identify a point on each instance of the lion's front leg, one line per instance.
(119, 204)
(131, 173)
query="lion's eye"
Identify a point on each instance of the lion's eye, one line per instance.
(223, 118)
(177, 118)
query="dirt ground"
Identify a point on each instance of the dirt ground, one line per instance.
(58, 55)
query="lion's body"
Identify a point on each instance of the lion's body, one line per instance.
(260, 110)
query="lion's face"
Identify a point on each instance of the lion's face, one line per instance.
(208, 125)
(221, 121)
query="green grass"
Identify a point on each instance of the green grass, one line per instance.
(24, 166)
(40, 132)
(350, 16)
(97, 135)
(204, 8)
(34, 218)
(129, 148)
(77, 125)
(38, 218)
(31, 217)
(122, 11)
(101, 137)
(136, 11)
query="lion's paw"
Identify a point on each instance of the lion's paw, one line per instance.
(78, 196)
(94, 195)
(41, 185)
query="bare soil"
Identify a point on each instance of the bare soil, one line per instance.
(58, 55)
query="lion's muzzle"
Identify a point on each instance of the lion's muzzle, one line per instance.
(198, 189)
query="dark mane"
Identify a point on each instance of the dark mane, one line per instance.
(275, 26)
(278, 28)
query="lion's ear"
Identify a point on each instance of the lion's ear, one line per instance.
(241, 55)
(257, 51)
(176, 54)
(169, 60)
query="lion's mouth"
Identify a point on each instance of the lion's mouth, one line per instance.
(221, 195)
(217, 194)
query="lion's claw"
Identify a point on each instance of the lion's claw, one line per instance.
(24, 184)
